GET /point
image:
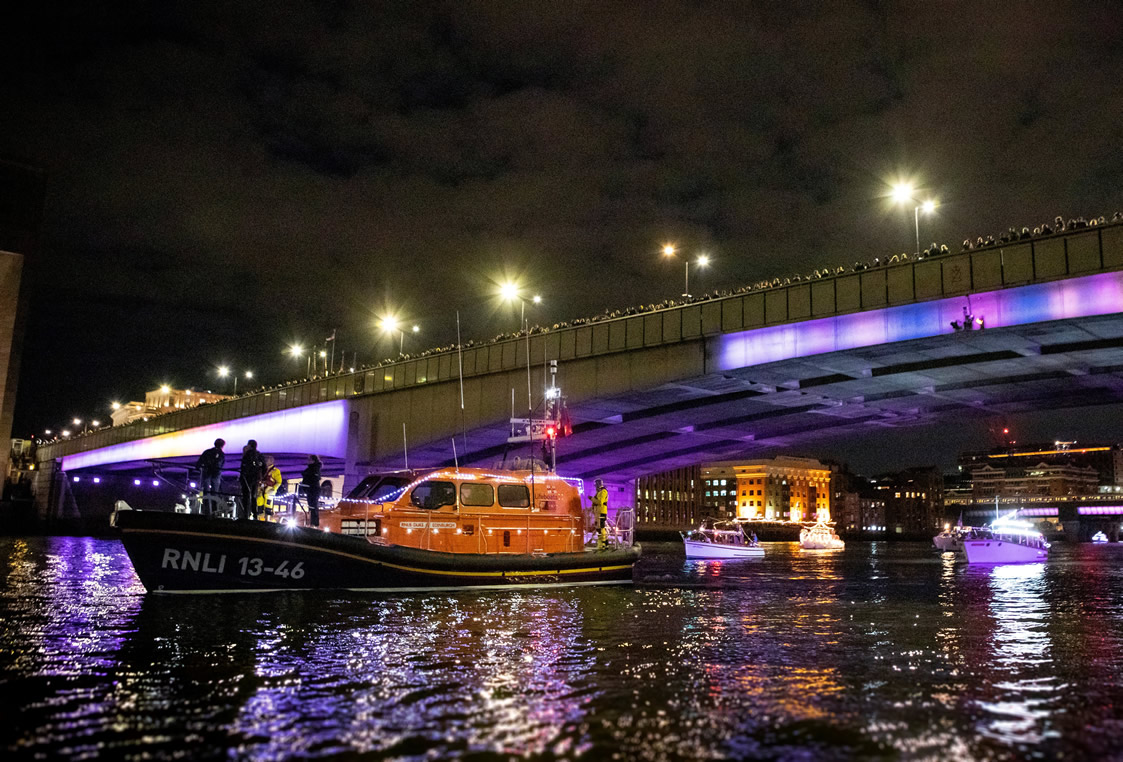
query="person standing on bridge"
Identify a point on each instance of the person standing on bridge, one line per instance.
(600, 509)
(251, 472)
(310, 480)
(210, 465)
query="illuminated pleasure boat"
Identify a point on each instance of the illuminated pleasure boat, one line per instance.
(820, 536)
(951, 539)
(447, 528)
(720, 540)
(1007, 540)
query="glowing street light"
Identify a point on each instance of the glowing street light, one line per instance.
(669, 252)
(115, 405)
(390, 324)
(509, 291)
(295, 351)
(905, 194)
(224, 371)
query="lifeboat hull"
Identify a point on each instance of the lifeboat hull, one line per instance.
(183, 553)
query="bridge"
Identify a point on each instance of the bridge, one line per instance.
(713, 379)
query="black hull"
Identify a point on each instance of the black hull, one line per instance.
(180, 553)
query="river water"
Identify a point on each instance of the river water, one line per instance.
(879, 651)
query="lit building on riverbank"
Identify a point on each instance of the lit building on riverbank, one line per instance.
(162, 400)
(784, 488)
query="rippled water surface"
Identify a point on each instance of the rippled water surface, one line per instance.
(879, 651)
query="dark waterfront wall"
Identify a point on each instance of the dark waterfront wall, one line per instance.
(22, 190)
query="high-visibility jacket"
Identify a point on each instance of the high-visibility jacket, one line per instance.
(600, 503)
(273, 480)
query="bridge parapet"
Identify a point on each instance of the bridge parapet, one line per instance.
(1096, 249)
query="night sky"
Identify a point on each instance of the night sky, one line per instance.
(227, 178)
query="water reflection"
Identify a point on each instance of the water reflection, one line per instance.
(886, 650)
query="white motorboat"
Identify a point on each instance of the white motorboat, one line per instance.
(721, 540)
(1006, 541)
(951, 539)
(1099, 537)
(820, 536)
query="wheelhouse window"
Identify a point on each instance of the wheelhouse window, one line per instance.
(514, 496)
(433, 495)
(477, 494)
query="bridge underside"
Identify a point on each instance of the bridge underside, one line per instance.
(792, 403)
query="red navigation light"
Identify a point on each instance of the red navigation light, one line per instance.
(551, 432)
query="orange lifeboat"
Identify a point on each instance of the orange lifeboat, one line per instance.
(466, 510)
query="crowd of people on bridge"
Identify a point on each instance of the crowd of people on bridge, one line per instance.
(1057, 227)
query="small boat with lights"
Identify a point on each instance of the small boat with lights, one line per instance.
(721, 540)
(820, 536)
(1008, 540)
(1099, 537)
(951, 539)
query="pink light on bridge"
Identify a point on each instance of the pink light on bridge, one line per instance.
(1100, 294)
(320, 429)
(1100, 510)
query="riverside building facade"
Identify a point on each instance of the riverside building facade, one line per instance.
(784, 488)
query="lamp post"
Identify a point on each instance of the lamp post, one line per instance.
(903, 193)
(390, 324)
(703, 260)
(295, 351)
(509, 291)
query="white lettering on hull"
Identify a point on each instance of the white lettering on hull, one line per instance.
(185, 560)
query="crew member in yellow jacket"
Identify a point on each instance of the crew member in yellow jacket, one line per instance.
(600, 510)
(269, 487)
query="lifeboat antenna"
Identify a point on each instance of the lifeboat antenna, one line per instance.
(455, 461)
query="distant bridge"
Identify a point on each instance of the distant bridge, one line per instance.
(771, 368)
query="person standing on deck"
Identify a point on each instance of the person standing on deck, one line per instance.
(600, 509)
(251, 472)
(210, 465)
(310, 479)
(269, 485)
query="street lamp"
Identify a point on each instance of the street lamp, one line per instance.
(509, 291)
(904, 193)
(703, 260)
(390, 324)
(295, 350)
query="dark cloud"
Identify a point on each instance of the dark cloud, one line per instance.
(237, 177)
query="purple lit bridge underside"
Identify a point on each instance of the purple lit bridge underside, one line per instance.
(768, 389)
(1093, 295)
